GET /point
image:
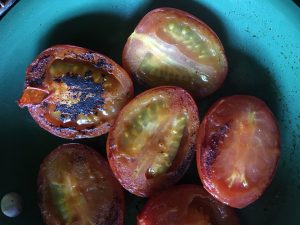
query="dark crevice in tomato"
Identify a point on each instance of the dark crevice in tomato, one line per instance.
(215, 140)
(112, 217)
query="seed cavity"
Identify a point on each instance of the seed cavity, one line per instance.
(189, 37)
(155, 72)
(237, 177)
(168, 147)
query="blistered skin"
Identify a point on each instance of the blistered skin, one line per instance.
(76, 186)
(238, 149)
(186, 205)
(75, 93)
(172, 47)
(152, 141)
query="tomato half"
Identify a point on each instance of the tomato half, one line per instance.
(238, 149)
(186, 204)
(172, 47)
(76, 186)
(74, 92)
(152, 141)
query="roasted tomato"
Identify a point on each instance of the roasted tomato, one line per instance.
(74, 92)
(152, 141)
(186, 205)
(76, 186)
(238, 149)
(172, 47)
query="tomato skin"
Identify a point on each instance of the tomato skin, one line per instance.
(101, 196)
(133, 167)
(40, 92)
(238, 149)
(158, 53)
(186, 204)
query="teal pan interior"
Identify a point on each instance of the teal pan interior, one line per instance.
(262, 43)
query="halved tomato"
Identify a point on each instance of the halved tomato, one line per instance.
(152, 141)
(186, 204)
(238, 149)
(76, 186)
(74, 92)
(172, 47)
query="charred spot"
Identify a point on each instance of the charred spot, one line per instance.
(89, 94)
(37, 72)
(40, 65)
(45, 104)
(58, 80)
(101, 63)
(35, 82)
(213, 146)
(86, 56)
(88, 74)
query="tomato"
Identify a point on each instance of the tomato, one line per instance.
(76, 186)
(172, 47)
(186, 204)
(152, 141)
(74, 92)
(238, 149)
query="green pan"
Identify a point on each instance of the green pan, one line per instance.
(262, 43)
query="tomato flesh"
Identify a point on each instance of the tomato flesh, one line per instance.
(76, 186)
(150, 146)
(186, 205)
(238, 150)
(75, 93)
(171, 47)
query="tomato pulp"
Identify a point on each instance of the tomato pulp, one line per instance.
(74, 92)
(152, 142)
(172, 47)
(76, 186)
(186, 204)
(238, 149)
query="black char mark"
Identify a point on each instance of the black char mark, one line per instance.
(212, 146)
(102, 64)
(88, 56)
(38, 71)
(88, 92)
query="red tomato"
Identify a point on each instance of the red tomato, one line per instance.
(73, 92)
(186, 205)
(172, 47)
(76, 186)
(238, 149)
(152, 141)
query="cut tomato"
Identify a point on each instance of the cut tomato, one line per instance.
(172, 47)
(238, 149)
(186, 205)
(152, 142)
(76, 186)
(74, 92)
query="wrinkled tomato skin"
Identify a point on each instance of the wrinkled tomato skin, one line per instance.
(37, 92)
(238, 148)
(102, 197)
(199, 66)
(130, 167)
(186, 204)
